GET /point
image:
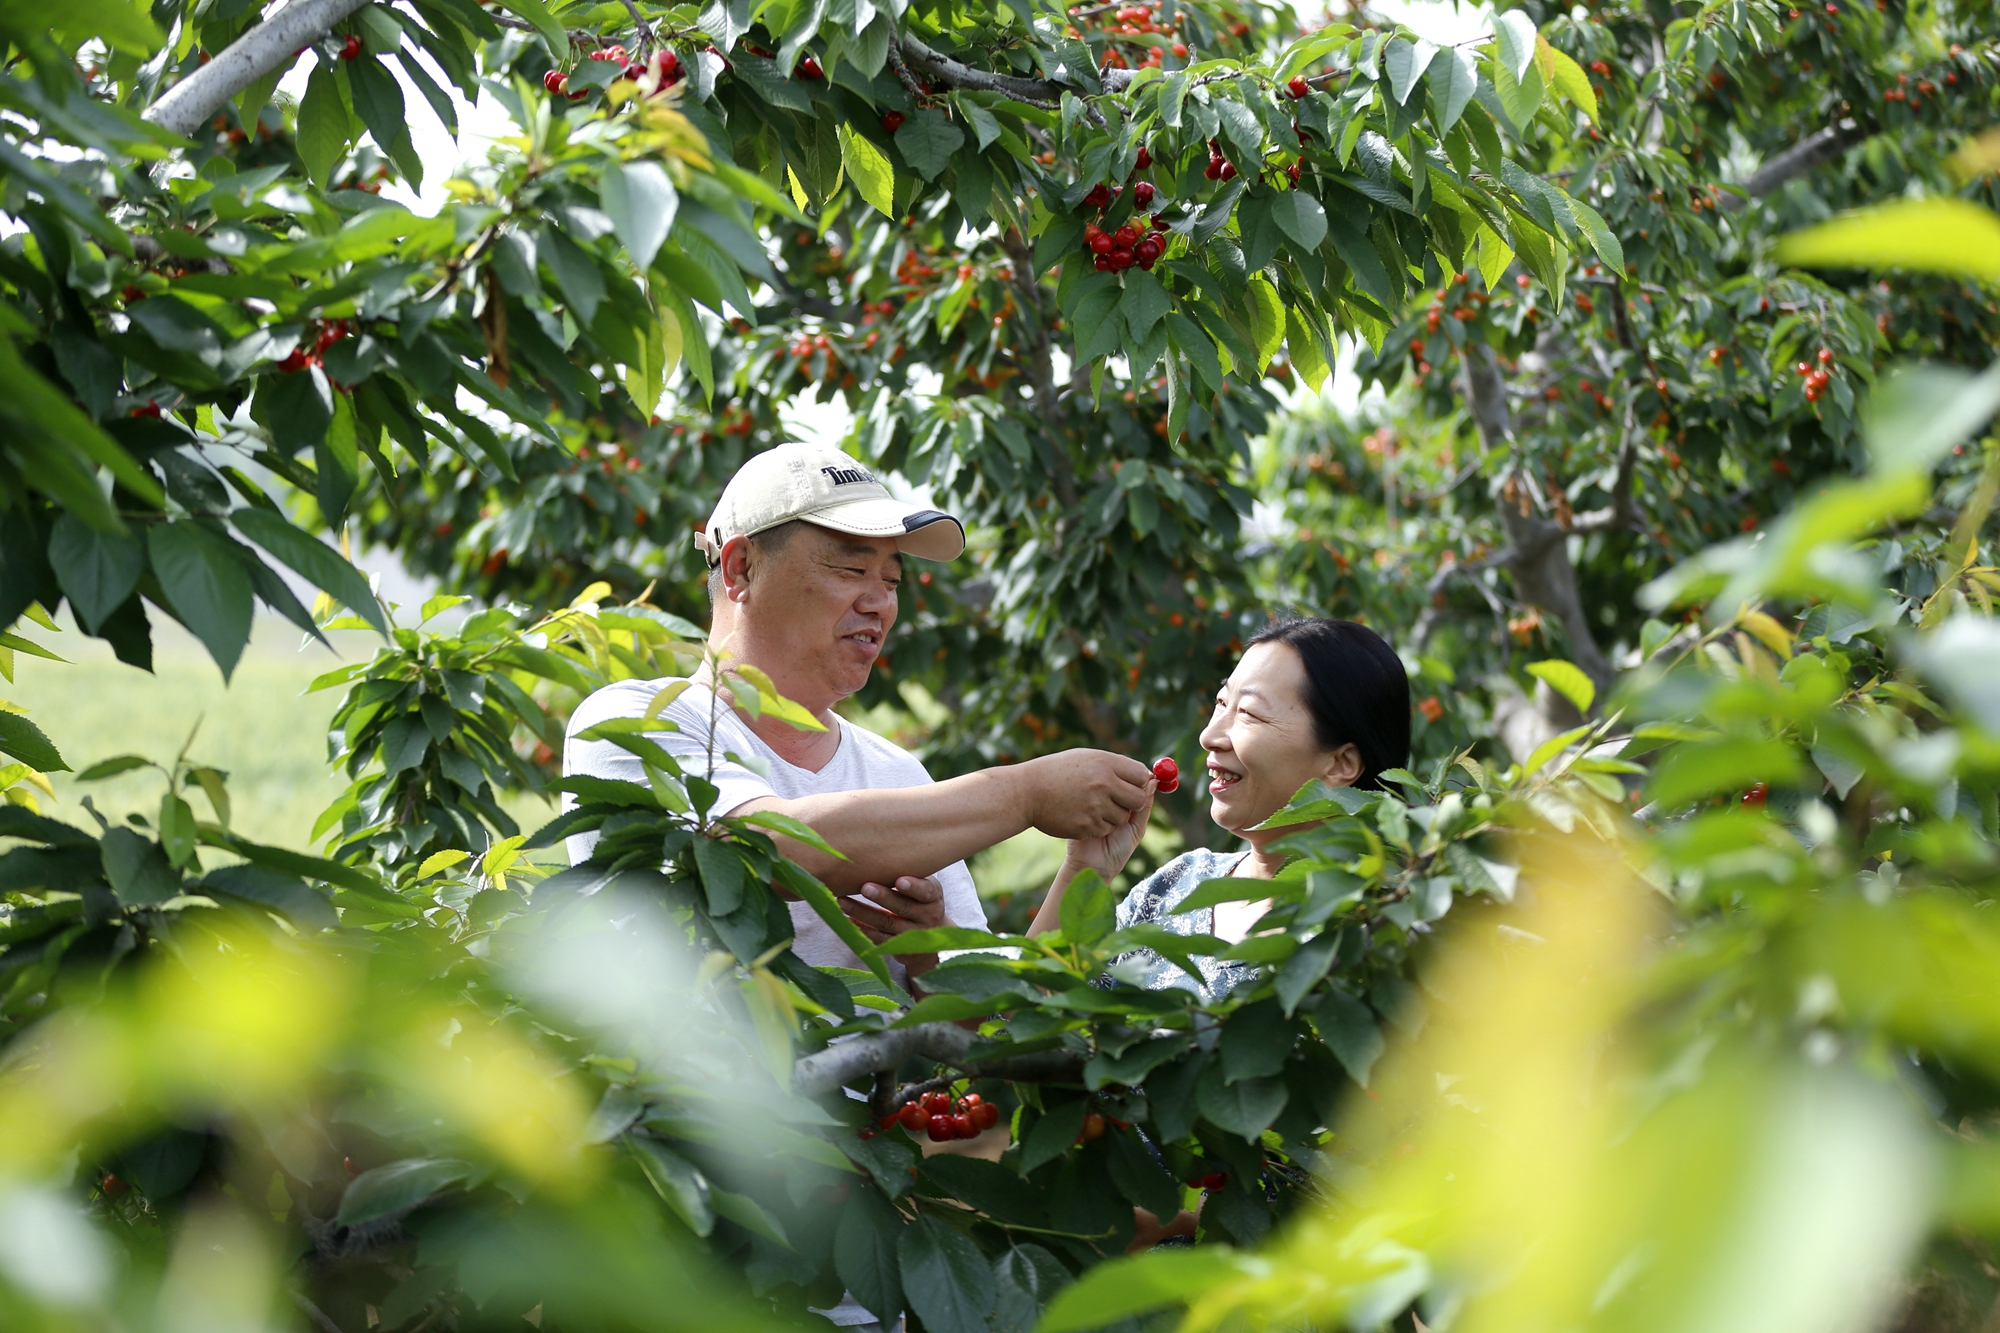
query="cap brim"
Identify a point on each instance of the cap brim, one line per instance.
(930, 533)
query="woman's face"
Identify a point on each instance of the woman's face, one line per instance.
(1261, 744)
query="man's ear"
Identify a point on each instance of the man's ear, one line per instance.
(736, 569)
(1346, 767)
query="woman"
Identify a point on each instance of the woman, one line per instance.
(1311, 698)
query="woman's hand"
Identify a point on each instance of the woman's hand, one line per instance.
(1108, 854)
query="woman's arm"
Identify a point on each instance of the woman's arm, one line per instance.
(1106, 855)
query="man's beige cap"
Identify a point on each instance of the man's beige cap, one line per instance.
(822, 485)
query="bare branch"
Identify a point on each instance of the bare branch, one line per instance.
(1434, 588)
(947, 1043)
(1035, 92)
(1815, 150)
(269, 46)
(1540, 565)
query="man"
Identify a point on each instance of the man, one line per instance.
(805, 552)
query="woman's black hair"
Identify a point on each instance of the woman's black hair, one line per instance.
(1356, 686)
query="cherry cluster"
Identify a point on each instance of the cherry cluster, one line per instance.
(664, 68)
(1215, 1180)
(330, 332)
(1816, 377)
(1219, 168)
(1168, 774)
(943, 1118)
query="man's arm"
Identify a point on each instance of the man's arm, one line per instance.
(916, 831)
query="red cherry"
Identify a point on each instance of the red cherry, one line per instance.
(1754, 798)
(348, 1164)
(1215, 1181)
(1148, 250)
(893, 121)
(1825, 355)
(351, 49)
(1298, 87)
(1102, 263)
(1803, 369)
(912, 1117)
(146, 410)
(556, 82)
(1099, 196)
(1144, 160)
(130, 294)
(1168, 774)
(1228, 172)
(970, 1100)
(633, 71)
(1093, 1126)
(113, 1187)
(1214, 169)
(1101, 244)
(1142, 194)
(1125, 237)
(669, 63)
(985, 1115)
(941, 1129)
(962, 1126)
(809, 69)
(1122, 260)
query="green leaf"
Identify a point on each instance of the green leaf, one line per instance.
(137, 869)
(1519, 97)
(1245, 1108)
(105, 768)
(399, 1187)
(576, 272)
(1568, 78)
(1051, 1136)
(1304, 969)
(208, 588)
(320, 564)
(1267, 320)
(1256, 1041)
(24, 741)
(747, 1213)
(1088, 913)
(942, 937)
(545, 25)
(1301, 217)
(641, 202)
(1453, 80)
(927, 140)
(947, 1281)
(722, 874)
(1144, 303)
(287, 895)
(1126, 1287)
(323, 130)
(1935, 235)
(378, 100)
(1096, 325)
(1349, 1030)
(97, 570)
(1142, 1180)
(177, 829)
(868, 167)
(1692, 771)
(864, 1255)
(1591, 223)
(1919, 411)
(1405, 62)
(795, 830)
(1568, 680)
(1514, 42)
(677, 1180)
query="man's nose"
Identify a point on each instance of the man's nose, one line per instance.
(877, 601)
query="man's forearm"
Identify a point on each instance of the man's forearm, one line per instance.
(890, 831)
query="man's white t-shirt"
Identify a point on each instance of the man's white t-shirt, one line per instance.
(864, 761)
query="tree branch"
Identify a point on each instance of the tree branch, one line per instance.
(946, 1043)
(1540, 565)
(1035, 92)
(270, 45)
(1815, 150)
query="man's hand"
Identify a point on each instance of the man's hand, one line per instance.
(1083, 793)
(1107, 854)
(913, 904)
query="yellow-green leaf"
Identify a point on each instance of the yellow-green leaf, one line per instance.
(437, 861)
(1267, 320)
(870, 169)
(1941, 235)
(1566, 679)
(1567, 76)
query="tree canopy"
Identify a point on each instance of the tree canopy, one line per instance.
(1667, 481)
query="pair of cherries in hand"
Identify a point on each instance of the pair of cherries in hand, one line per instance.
(942, 1118)
(1169, 774)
